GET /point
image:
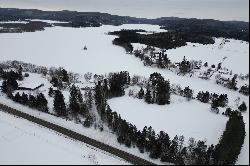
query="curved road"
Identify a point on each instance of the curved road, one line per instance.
(119, 153)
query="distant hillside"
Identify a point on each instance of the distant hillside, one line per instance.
(73, 17)
(208, 27)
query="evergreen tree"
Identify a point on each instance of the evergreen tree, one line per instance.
(88, 121)
(59, 104)
(73, 100)
(185, 66)
(42, 103)
(76, 102)
(223, 100)
(12, 83)
(164, 141)
(173, 149)
(148, 96)
(79, 96)
(65, 77)
(106, 88)
(210, 155)
(188, 93)
(163, 93)
(203, 97)
(166, 60)
(159, 89)
(232, 84)
(141, 94)
(148, 61)
(24, 99)
(17, 97)
(200, 152)
(228, 112)
(243, 107)
(2, 73)
(32, 101)
(4, 87)
(9, 85)
(244, 90)
(89, 99)
(100, 99)
(20, 73)
(219, 100)
(140, 142)
(117, 81)
(160, 62)
(51, 92)
(54, 81)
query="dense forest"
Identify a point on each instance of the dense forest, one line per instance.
(208, 28)
(164, 40)
(175, 37)
(30, 26)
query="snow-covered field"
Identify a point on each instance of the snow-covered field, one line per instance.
(22, 142)
(181, 117)
(60, 46)
(235, 52)
(106, 136)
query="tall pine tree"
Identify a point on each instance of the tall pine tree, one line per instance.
(59, 104)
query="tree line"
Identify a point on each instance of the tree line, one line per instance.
(160, 146)
(228, 149)
(164, 40)
(38, 102)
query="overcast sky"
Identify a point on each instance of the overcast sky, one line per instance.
(215, 9)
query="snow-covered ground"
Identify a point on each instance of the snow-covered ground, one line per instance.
(47, 21)
(60, 46)
(66, 44)
(106, 136)
(13, 22)
(181, 117)
(235, 52)
(22, 142)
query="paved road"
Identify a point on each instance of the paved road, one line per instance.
(119, 153)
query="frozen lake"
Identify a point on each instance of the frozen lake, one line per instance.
(60, 46)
